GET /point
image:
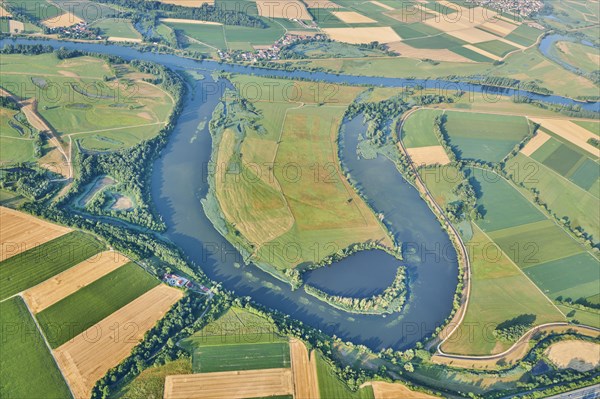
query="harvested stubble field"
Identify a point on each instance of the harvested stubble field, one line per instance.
(387, 390)
(62, 21)
(433, 155)
(87, 306)
(304, 370)
(87, 357)
(570, 132)
(536, 142)
(38, 264)
(352, 17)
(230, 384)
(20, 232)
(578, 355)
(66, 283)
(383, 34)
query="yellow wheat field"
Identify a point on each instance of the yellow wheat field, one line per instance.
(431, 155)
(304, 370)
(230, 384)
(64, 284)
(576, 354)
(536, 142)
(383, 34)
(352, 17)
(20, 232)
(87, 357)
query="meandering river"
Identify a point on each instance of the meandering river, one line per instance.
(179, 182)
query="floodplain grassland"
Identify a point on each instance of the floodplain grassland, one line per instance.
(38, 264)
(417, 130)
(330, 386)
(15, 146)
(583, 57)
(277, 207)
(27, 367)
(563, 196)
(499, 292)
(74, 98)
(117, 27)
(150, 383)
(77, 312)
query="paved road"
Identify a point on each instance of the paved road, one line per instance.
(592, 392)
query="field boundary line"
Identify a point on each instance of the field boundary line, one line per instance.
(46, 343)
(516, 188)
(115, 128)
(519, 269)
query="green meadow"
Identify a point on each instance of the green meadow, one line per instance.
(501, 205)
(485, 137)
(74, 98)
(259, 356)
(499, 292)
(572, 277)
(563, 196)
(38, 264)
(330, 386)
(74, 314)
(27, 368)
(417, 130)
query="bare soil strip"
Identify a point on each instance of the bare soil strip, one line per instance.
(536, 142)
(64, 284)
(570, 132)
(230, 384)
(432, 155)
(88, 356)
(20, 232)
(575, 354)
(306, 381)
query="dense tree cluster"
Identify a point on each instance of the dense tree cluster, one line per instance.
(390, 300)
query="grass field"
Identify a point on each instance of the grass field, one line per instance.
(211, 358)
(563, 196)
(84, 308)
(330, 386)
(572, 277)
(27, 368)
(500, 204)
(534, 243)
(417, 130)
(151, 382)
(485, 137)
(74, 98)
(496, 47)
(524, 35)
(499, 292)
(591, 126)
(583, 57)
(281, 209)
(31, 267)
(114, 27)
